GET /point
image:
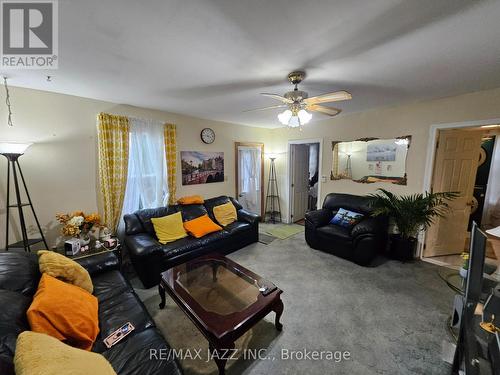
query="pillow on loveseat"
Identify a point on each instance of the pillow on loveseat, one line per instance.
(64, 311)
(225, 214)
(201, 226)
(191, 199)
(37, 353)
(169, 228)
(346, 218)
(63, 268)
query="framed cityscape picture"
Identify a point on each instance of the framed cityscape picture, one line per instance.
(200, 167)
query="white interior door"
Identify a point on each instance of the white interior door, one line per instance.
(249, 176)
(300, 179)
(455, 169)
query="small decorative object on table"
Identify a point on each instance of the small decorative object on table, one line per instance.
(465, 266)
(78, 225)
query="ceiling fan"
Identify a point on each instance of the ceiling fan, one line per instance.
(298, 103)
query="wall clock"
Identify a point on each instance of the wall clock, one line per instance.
(207, 135)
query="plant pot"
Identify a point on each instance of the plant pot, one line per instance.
(403, 249)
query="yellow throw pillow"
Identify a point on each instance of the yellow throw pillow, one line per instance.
(225, 214)
(65, 269)
(169, 228)
(37, 353)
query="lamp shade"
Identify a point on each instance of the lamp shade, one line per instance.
(14, 148)
(494, 232)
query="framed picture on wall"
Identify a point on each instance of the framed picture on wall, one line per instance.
(200, 167)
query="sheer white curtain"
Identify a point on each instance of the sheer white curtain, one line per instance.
(250, 175)
(491, 215)
(147, 172)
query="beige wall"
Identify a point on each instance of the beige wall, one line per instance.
(61, 167)
(413, 119)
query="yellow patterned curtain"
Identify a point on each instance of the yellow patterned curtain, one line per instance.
(171, 157)
(113, 140)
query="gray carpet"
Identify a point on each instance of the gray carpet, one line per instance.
(390, 318)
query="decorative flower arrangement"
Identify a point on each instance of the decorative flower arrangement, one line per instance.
(465, 257)
(76, 223)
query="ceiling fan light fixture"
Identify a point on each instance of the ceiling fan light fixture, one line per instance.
(304, 116)
(285, 116)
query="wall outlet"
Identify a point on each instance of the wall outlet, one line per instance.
(323, 179)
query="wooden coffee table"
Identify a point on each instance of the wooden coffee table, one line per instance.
(223, 299)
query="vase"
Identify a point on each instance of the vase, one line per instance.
(463, 272)
(84, 238)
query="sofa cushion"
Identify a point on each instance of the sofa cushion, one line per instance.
(192, 211)
(142, 244)
(132, 224)
(38, 353)
(118, 310)
(19, 272)
(64, 311)
(356, 203)
(332, 230)
(110, 284)
(237, 227)
(142, 353)
(181, 246)
(12, 321)
(145, 216)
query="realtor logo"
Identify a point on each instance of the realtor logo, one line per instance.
(29, 34)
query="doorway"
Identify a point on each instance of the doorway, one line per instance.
(464, 162)
(250, 175)
(304, 177)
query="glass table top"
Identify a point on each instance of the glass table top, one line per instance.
(217, 286)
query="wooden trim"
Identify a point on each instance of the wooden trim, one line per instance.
(262, 165)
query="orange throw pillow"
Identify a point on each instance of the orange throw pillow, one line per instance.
(201, 226)
(64, 311)
(192, 199)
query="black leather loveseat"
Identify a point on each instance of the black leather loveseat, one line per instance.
(150, 258)
(118, 304)
(361, 243)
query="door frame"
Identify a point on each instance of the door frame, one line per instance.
(262, 166)
(290, 170)
(431, 155)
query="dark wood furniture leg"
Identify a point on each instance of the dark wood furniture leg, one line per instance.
(161, 290)
(221, 354)
(278, 309)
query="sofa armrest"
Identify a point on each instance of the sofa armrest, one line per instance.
(370, 225)
(249, 217)
(96, 264)
(319, 218)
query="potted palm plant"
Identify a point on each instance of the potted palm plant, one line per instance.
(411, 214)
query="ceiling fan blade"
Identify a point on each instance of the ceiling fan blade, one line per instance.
(331, 97)
(266, 108)
(278, 97)
(330, 111)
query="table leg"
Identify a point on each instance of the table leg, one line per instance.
(278, 309)
(221, 354)
(161, 290)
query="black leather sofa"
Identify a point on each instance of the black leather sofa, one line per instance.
(361, 243)
(118, 304)
(150, 258)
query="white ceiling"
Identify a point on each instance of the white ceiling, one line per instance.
(212, 58)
